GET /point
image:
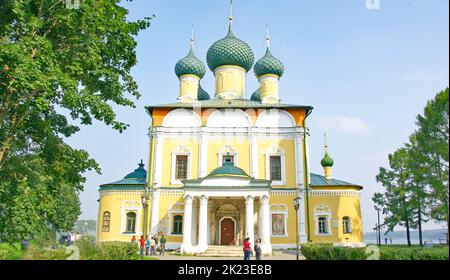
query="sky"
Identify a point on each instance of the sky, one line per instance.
(367, 67)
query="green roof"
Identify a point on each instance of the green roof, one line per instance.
(256, 96)
(136, 178)
(231, 103)
(228, 168)
(190, 65)
(230, 51)
(202, 94)
(269, 65)
(319, 180)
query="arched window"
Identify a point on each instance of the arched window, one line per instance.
(177, 227)
(106, 221)
(131, 222)
(347, 225)
(323, 225)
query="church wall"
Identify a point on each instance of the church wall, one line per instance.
(117, 203)
(239, 145)
(280, 203)
(340, 206)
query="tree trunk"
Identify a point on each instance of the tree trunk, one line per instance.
(419, 217)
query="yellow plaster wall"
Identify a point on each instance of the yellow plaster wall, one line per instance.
(168, 147)
(113, 204)
(289, 150)
(165, 203)
(340, 207)
(242, 147)
(291, 228)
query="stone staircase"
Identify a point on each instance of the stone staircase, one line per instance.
(222, 251)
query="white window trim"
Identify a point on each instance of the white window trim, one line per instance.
(123, 225)
(276, 151)
(285, 212)
(173, 213)
(322, 211)
(180, 151)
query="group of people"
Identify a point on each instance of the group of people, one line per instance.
(248, 252)
(150, 245)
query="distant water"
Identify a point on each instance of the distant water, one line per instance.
(437, 236)
(401, 241)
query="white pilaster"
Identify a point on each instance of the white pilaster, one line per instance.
(266, 247)
(203, 225)
(299, 178)
(158, 162)
(154, 218)
(301, 219)
(186, 246)
(249, 219)
(203, 159)
(253, 155)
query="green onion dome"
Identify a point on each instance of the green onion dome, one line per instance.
(230, 51)
(256, 96)
(327, 161)
(269, 65)
(202, 94)
(190, 65)
(228, 169)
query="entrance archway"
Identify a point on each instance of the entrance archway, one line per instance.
(227, 233)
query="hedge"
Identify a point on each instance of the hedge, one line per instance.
(330, 252)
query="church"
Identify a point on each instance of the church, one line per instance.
(223, 167)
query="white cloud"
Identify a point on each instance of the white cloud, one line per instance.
(343, 124)
(421, 76)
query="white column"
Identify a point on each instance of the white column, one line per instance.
(266, 247)
(186, 247)
(253, 155)
(203, 152)
(203, 225)
(249, 219)
(158, 161)
(301, 219)
(298, 159)
(154, 218)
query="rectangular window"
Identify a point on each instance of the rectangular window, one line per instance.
(275, 168)
(346, 224)
(323, 225)
(177, 226)
(278, 224)
(106, 221)
(131, 222)
(181, 167)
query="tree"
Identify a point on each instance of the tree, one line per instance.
(39, 191)
(56, 62)
(396, 201)
(57, 58)
(433, 141)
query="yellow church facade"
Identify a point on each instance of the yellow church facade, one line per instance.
(225, 168)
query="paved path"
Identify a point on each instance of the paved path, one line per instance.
(278, 255)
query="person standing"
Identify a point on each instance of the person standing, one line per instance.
(69, 239)
(163, 242)
(156, 243)
(247, 249)
(133, 240)
(258, 249)
(147, 245)
(152, 246)
(142, 245)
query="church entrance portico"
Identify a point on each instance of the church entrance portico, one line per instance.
(225, 221)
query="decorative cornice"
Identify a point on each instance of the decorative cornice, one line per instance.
(322, 193)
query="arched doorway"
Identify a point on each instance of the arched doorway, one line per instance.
(227, 231)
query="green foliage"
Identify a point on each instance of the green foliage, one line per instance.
(414, 253)
(416, 182)
(330, 252)
(41, 253)
(10, 251)
(89, 250)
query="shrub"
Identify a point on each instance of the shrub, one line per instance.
(87, 248)
(116, 251)
(39, 253)
(414, 253)
(10, 251)
(330, 252)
